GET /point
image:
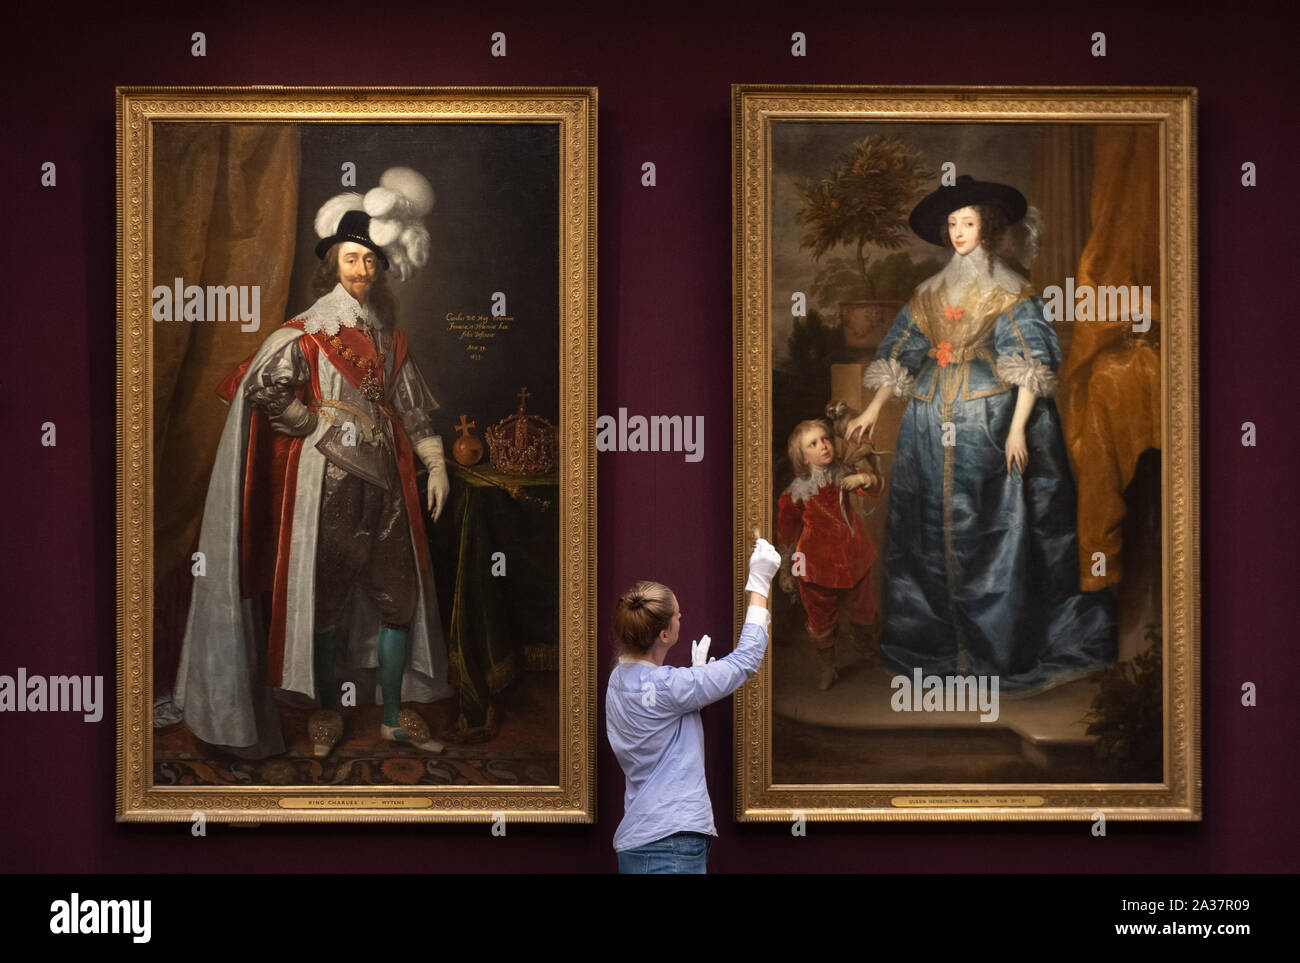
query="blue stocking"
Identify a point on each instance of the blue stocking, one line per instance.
(392, 662)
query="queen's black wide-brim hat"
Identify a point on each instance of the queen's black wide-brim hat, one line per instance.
(929, 219)
(353, 226)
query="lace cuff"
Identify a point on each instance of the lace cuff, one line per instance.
(887, 371)
(1028, 373)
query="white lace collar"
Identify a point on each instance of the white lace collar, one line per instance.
(338, 309)
(972, 270)
(802, 489)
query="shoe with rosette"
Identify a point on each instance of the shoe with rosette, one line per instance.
(411, 730)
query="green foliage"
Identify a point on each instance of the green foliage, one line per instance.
(1127, 715)
(864, 199)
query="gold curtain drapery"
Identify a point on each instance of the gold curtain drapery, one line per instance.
(225, 212)
(1111, 374)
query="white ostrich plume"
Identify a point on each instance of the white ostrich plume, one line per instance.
(332, 211)
(397, 208)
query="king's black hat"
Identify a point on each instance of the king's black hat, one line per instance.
(353, 226)
(929, 219)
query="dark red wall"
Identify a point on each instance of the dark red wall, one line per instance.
(665, 346)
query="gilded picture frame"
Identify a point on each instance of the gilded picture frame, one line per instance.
(835, 746)
(208, 157)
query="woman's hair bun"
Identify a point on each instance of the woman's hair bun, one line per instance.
(642, 612)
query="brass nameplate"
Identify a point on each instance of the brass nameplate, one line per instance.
(911, 802)
(355, 802)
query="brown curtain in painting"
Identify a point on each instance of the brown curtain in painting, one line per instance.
(225, 211)
(1062, 191)
(1111, 375)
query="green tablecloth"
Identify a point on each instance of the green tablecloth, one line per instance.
(494, 617)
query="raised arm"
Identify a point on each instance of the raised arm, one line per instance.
(688, 689)
(693, 688)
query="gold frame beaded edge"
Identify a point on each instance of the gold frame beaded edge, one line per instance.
(574, 110)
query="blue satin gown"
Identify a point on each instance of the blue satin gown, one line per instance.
(982, 566)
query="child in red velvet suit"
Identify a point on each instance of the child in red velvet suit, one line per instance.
(821, 532)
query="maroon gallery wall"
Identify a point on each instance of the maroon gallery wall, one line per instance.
(665, 347)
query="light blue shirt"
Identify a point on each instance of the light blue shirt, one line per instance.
(652, 718)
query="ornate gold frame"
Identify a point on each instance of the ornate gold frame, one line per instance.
(573, 109)
(1178, 796)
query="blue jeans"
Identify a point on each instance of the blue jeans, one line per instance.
(683, 852)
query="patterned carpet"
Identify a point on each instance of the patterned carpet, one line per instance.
(523, 753)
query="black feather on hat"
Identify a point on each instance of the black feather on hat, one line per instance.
(929, 219)
(353, 226)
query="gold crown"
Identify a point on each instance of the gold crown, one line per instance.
(522, 444)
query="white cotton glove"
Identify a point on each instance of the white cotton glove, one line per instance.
(700, 651)
(763, 564)
(430, 452)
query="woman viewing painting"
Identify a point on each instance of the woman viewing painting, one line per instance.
(981, 563)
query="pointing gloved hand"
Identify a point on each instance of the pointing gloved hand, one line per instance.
(763, 564)
(700, 651)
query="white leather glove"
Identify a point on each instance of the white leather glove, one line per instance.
(700, 651)
(763, 564)
(430, 452)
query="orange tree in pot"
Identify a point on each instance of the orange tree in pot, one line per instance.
(862, 201)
